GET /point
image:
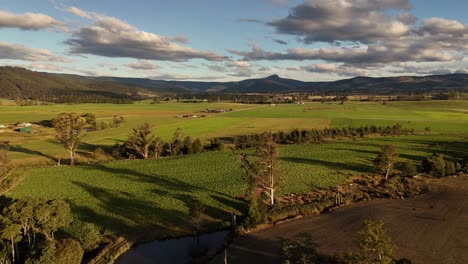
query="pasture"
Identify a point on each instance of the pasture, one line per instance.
(41, 146)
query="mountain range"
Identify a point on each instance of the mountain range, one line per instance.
(19, 82)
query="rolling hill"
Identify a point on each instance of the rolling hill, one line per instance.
(25, 84)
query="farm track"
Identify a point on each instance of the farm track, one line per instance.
(430, 228)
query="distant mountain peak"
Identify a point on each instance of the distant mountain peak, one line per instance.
(274, 76)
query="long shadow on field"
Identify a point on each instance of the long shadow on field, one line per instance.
(17, 148)
(166, 183)
(126, 212)
(332, 165)
(129, 208)
(86, 147)
(375, 153)
(455, 149)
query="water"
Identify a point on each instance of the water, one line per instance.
(173, 251)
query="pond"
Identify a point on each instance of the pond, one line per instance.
(174, 251)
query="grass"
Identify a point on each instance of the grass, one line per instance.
(134, 195)
(440, 116)
(138, 195)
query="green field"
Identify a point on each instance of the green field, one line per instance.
(133, 195)
(440, 116)
(127, 196)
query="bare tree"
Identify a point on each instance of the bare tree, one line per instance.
(142, 140)
(69, 129)
(386, 160)
(263, 175)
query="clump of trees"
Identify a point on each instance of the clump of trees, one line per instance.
(32, 231)
(439, 166)
(142, 143)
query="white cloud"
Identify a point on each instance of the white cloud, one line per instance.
(19, 52)
(142, 65)
(111, 37)
(26, 21)
(344, 20)
(241, 64)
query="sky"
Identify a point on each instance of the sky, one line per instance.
(213, 40)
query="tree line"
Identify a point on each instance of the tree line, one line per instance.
(34, 230)
(297, 136)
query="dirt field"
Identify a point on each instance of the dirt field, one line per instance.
(430, 228)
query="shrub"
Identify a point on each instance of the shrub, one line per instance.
(104, 125)
(68, 251)
(407, 169)
(86, 233)
(257, 214)
(434, 165)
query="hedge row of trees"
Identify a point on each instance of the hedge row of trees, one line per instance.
(142, 143)
(297, 136)
(43, 231)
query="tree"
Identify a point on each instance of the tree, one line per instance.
(89, 117)
(10, 232)
(408, 169)
(438, 166)
(69, 129)
(68, 251)
(142, 139)
(197, 146)
(216, 144)
(374, 245)
(187, 145)
(6, 169)
(87, 234)
(118, 120)
(263, 176)
(386, 160)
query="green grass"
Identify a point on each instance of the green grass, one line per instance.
(133, 195)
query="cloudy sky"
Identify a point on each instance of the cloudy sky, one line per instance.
(210, 40)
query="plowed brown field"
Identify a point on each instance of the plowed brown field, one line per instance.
(430, 228)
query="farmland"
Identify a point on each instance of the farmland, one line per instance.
(41, 147)
(155, 194)
(133, 195)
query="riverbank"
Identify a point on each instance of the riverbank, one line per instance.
(428, 228)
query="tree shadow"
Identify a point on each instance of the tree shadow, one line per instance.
(44, 123)
(332, 165)
(127, 211)
(20, 149)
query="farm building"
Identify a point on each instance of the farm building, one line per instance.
(24, 124)
(27, 129)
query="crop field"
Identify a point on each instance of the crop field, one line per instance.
(40, 147)
(133, 195)
(128, 196)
